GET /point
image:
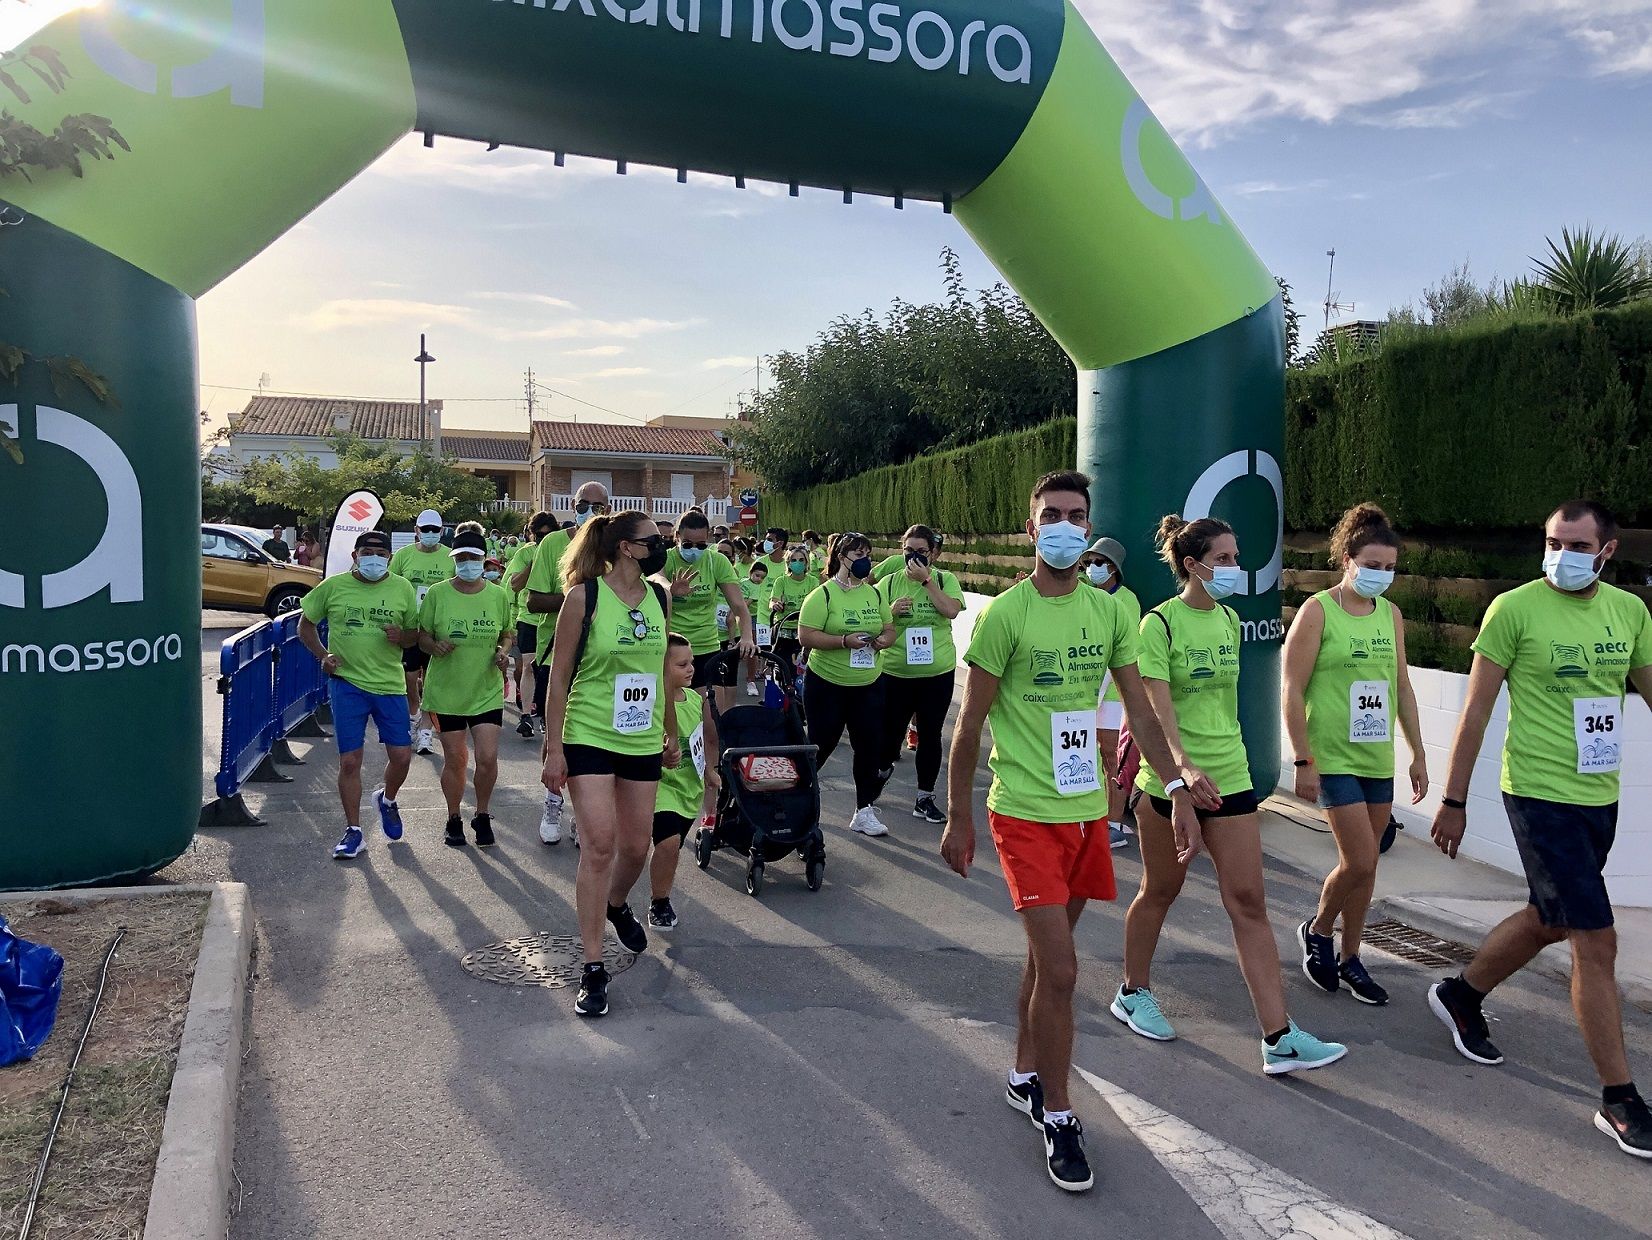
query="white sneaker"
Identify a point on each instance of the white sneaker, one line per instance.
(751, 688)
(427, 740)
(550, 825)
(867, 822)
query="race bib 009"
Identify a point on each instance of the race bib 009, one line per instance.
(634, 703)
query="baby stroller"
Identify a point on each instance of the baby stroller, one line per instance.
(769, 805)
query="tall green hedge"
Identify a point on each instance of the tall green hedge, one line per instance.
(1482, 426)
(981, 489)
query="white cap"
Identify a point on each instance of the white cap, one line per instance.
(428, 517)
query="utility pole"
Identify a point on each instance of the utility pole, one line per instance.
(530, 393)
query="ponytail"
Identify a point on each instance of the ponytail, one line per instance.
(1178, 539)
(1360, 527)
(596, 546)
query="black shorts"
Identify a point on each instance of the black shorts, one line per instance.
(702, 670)
(1235, 806)
(458, 723)
(415, 660)
(1563, 849)
(527, 638)
(667, 824)
(633, 768)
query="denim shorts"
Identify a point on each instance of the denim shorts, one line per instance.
(1335, 791)
(353, 706)
(1563, 849)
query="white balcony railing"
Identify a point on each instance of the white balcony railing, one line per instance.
(659, 508)
(509, 505)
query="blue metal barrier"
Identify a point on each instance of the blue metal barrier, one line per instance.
(271, 686)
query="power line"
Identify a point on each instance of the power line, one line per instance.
(630, 417)
(709, 391)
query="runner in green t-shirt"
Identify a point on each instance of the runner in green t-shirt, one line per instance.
(541, 526)
(688, 791)
(371, 618)
(1346, 682)
(607, 733)
(422, 564)
(1190, 663)
(1103, 567)
(465, 628)
(920, 669)
(787, 595)
(1036, 663)
(754, 590)
(702, 581)
(889, 566)
(1566, 645)
(845, 626)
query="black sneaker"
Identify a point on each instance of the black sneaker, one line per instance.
(1358, 982)
(455, 837)
(661, 916)
(1466, 1022)
(1064, 1154)
(631, 934)
(1028, 1099)
(1319, 958)
(593, 991)
(482, 824)
(928, 810)
(1629, 1124)
(524, 727)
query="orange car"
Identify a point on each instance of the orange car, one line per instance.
(236, 572)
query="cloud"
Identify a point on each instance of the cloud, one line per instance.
(1451, 114)
(380, 311)
(619, 372)
(1255, 189)
(535, 299)
(727, 363)
(1618, 51)
(598, 329)
(596, 350)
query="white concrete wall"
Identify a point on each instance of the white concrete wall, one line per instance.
(1439, 703)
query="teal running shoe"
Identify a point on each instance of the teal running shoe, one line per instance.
(1141, 1012)
(1298, 1052)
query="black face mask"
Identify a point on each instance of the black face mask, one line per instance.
(655, 560)
(861, 567)
(917, 557)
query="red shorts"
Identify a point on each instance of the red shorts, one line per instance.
(1054, 862)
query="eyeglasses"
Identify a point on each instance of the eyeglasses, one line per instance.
(585, 506)
(639, 623)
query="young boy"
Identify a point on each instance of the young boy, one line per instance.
(755, 590)
(686, 790)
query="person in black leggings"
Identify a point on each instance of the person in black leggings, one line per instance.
(845, 626)
(919, 669)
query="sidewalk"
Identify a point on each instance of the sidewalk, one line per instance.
(1457, 900)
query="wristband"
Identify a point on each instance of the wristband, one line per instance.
(1304, 762)
(1450, 804)
(1174, 786)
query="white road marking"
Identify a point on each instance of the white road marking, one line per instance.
(1245, 1198)
(631, 1114)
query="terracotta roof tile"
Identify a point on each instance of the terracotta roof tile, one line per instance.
(632, 440)
(483, 447)
(324, 416)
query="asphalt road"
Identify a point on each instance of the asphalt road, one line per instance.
(831, 1064)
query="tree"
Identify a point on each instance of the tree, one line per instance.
(407, 485)
(1589, 272)
(1293, 323)
(1455, 300)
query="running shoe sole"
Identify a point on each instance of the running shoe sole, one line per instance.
(1024, 1105)
(1119, 1010)
(654, 925)
(384, 819)
(1282, 1066)
(1348, 986)
(1439, 1009)
(1302, 942)
(1065, 1185)
(1605, 1125)
(578, 1011)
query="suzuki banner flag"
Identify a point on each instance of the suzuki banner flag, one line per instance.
(359, 512)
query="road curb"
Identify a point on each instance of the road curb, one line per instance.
(1552, 962)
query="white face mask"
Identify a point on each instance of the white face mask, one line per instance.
(1224, 582)
(1372, 582)
(1570, 571)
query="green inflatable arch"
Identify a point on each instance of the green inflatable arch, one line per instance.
(243, 115)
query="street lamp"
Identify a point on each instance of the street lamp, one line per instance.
(424, 359)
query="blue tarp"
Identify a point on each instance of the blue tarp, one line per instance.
(31, 982)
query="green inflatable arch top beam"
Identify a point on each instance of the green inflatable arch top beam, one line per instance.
(244, 115)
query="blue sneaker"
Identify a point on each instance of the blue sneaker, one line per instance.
(1298, 1052)
(350, 845)
(1142, 1013)
(390, 816)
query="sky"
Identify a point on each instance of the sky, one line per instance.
(1410, 135)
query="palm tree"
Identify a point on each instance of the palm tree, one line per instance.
(1589, 272)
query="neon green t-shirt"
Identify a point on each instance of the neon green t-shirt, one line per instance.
(422, 568)
(357, 612)
(1567, 659)
(614, 701)
(1050, 656)
(790, 592)
(1126, 598)
(1199, 658)
(694, 614)
(546, 578)
(890, 566)
(521, 561)
(756, 595)
(465, 682)
(923, 637)
(683, 787)
(836, 611)
(1351, 693)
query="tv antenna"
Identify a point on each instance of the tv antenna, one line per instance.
(1332, 305)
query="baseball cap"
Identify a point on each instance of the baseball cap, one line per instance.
(373, 538)
(469, 543)
(428, 517)
(1110, 549)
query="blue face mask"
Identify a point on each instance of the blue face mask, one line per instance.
(1061, 544)
(861, 567)
(468, 570)
(491, 575)
(1372, 582)
(691, 555)
(372, 567)
(1570, 571)
(429, 538)
(797, 568)
(1098, 574)
(1224, 582)
(768, 546)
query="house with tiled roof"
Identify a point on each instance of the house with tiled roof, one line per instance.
(661, 470)
(272, 426)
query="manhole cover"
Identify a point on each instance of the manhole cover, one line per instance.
(540, 960)
(1418, 946)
